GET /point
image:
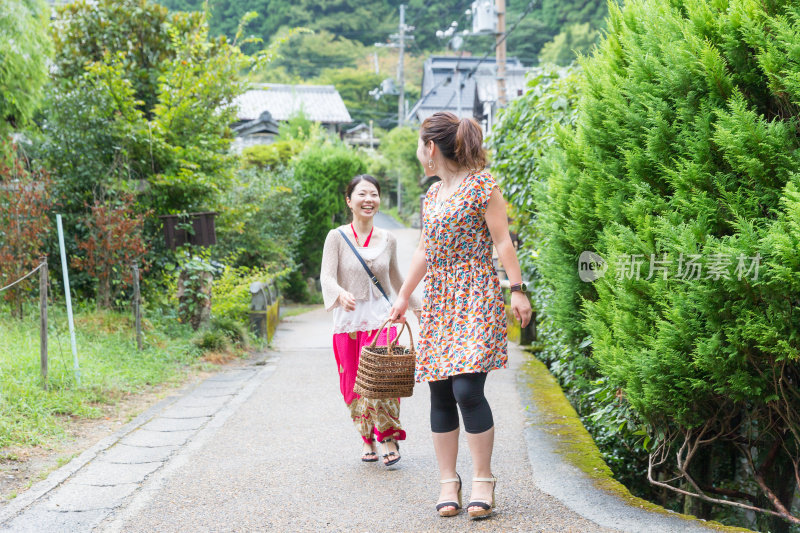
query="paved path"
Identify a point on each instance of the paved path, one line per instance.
(270, 447)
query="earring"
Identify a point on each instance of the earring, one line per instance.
(431, 164)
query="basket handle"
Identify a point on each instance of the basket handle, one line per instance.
(392, 343)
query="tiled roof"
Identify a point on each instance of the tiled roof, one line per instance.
(320, 103)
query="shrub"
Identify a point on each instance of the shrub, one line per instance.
(232, 290)
(323, 171)
(260, 223)
(113, 244)
(271, 156)
(232, 329)
(683, 164)
(25, 200)
(212, 340)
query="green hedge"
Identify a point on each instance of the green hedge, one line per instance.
(687, 148)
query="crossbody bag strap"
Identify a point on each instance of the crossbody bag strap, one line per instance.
(372, 277)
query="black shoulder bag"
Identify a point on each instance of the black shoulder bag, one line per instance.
(372, 277)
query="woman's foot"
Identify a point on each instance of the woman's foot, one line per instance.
(368, 453)
(391, 451)
(481, 502)
(449, 503)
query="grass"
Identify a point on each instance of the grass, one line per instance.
(110, 368)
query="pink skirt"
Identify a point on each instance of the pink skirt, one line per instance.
(348, 351)
(378, 418)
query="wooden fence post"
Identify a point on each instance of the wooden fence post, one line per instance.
(43, 323)
(137, 311)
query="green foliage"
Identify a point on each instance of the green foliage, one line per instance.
(686, 144)
(194, 288)
(354, 86)
(364, 22)
(212, 340)
(271, 156)
(547, 20)
(99, 135)
(397, 162)
(86, 32)
(298, 128)
(528, 161)
(260, 221)
(25, 49)
(234, 330)
(232, 290)
(306, 55)
(323, 170)
(574, 39)
(156, 112)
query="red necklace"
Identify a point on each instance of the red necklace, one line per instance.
(366, 243)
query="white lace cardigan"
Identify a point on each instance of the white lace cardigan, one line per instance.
(341, 271)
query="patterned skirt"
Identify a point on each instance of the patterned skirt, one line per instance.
(372, 418)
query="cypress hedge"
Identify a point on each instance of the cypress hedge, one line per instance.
(681, 173)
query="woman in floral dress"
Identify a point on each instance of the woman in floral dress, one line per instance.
(463, 324)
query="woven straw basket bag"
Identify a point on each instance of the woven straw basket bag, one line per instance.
(386, 372)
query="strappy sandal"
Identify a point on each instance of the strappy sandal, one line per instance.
(370, 456)
(440, 506)
(485, 508)
(388, 454)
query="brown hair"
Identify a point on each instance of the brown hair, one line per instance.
(358, 179)
(459, 140)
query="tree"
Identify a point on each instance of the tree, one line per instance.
(135, 32)
(100, 138)
(575, 39)
(399, 150)
(25, 201)
(323, 170)
(25, 48)
(354, 86)
(349, 19)
(307, 54)
(113, 244)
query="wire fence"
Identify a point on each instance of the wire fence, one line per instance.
(23, 278)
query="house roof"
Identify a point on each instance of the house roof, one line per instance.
(320, 103)
(440, 79)
(264, 124)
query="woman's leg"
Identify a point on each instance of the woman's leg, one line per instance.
(444, 425)
(346, 349)
(382, 416)
(479, 425)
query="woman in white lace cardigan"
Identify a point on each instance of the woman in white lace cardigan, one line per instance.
(359, 309)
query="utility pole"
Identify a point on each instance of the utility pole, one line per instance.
(401, 45)
(501, 52)
(399, 41)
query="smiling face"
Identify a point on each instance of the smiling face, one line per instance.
(365, 200)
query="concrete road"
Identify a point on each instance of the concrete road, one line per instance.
(270, 447)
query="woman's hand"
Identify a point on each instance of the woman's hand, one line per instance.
(347, 301)
(398, 312)
(521, 307)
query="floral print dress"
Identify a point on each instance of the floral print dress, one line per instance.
(463, 325)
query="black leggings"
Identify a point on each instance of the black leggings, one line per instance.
(465, 391)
